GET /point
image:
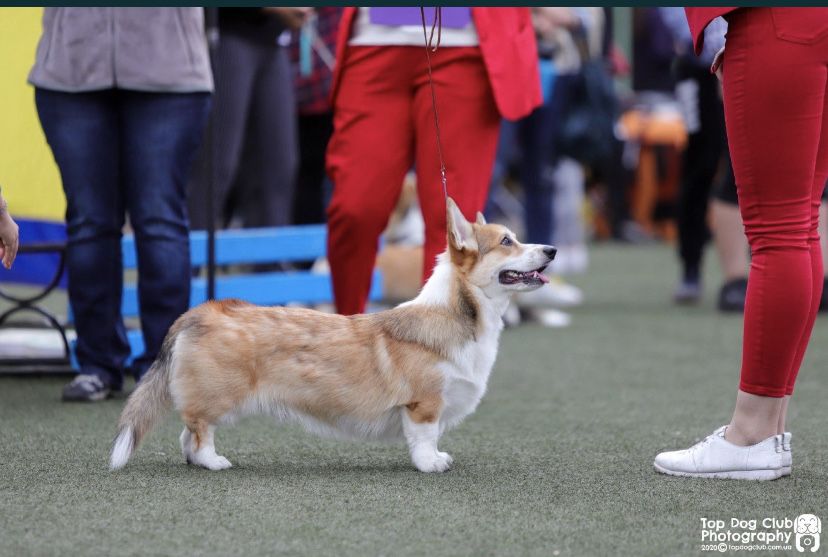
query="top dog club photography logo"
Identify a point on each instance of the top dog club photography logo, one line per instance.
(808, 528)
(762, 534)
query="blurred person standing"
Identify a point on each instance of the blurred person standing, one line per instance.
(312, 54)
(484, 69)
(123, 95)
(551, 187)
(578, 55)
(254, 114)
(698, 93)
(773, 71)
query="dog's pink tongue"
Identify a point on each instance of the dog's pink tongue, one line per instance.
(540, 276)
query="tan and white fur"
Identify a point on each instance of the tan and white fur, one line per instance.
(410, 372)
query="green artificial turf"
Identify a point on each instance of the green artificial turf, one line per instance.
(556, 461)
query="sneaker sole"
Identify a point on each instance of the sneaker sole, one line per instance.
(97, 397)
(756, 475)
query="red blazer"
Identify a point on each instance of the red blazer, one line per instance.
(699, 18)
(507, 43)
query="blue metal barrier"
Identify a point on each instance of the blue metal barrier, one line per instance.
(251, 246)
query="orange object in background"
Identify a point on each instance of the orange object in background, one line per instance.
(655, 129)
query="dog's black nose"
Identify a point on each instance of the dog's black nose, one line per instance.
(550, 251)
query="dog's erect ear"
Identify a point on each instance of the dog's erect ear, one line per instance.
(481, 220)
(460, 231)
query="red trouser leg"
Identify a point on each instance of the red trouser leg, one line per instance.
(817, 271)
(777, 123)
(371, 149)
(382, 110)
(469, 127)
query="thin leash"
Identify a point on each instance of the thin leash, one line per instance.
(438, 24)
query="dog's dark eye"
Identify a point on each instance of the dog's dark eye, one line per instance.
(506, 241)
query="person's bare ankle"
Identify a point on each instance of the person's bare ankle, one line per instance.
(738, 436)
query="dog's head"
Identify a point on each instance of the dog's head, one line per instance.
(808, 524)
(490, 257)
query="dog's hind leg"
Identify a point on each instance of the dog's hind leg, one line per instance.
(421, 426)
(202, 446)
(186, 440)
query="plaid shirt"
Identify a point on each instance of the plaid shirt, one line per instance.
(313, 91)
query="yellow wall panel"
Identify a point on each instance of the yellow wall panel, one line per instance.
(28, 175)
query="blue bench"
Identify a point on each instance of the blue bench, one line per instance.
(251, 246)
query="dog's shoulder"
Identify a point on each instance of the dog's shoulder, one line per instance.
(435, 328)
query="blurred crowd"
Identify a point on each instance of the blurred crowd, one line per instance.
(326, 115)
(631, 149)
(562, 171)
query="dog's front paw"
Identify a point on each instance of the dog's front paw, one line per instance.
(210, 461)
(431, 460)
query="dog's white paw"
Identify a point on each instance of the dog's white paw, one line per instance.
(430, 460)
(211, 461)
(220, 463)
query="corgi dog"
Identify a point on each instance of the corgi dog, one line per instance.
(408, 373)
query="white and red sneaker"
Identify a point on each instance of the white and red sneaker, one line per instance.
(716, 457)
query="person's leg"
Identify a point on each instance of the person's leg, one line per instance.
(782, 424)
(235, 73)
(729, 239)
(160, 136)
(569, 234)
(815, 248)
(315, 131)
(369, 153)
(823, 235)
(508, 152)
(536, 133)
(729, 235)
(726, 223)
(698, 91)
(469, 125)
(82, 130)
(774, 103)
(775, 97)
(271, 141)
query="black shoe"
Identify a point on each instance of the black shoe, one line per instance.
(823, 303)
(732, 295)
(86, 388)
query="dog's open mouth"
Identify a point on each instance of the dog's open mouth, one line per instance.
(523, 277)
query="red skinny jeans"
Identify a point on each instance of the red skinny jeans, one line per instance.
(775, 80)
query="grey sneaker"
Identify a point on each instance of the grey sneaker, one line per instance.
(86, 388)
(688, 292)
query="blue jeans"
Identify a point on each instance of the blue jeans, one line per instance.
(120, 152)
(538, 133)
(536, 138)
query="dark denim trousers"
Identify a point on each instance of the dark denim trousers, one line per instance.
(538, 133)
(121, 152)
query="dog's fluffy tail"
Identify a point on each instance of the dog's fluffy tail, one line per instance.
(146, 405)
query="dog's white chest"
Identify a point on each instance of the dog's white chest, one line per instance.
(467, 379)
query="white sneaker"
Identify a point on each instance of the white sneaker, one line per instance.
(787, 454)
(551, 318)
(557, 293)
(715, 457)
